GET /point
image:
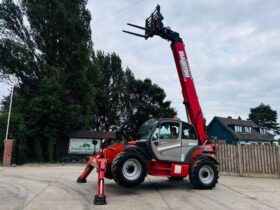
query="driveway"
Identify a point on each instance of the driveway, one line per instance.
(55, 187)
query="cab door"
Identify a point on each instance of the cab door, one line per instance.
(189, 140)
(166, 141)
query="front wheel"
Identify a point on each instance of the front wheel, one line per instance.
(108, 173)
(129, 169)
(204, 174)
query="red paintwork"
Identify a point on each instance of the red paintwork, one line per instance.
(184, 171)
(86, 172)
(110, 152)
(188, 90)
(158, 168)
(132, 142)
(166, 169)
(101, 169)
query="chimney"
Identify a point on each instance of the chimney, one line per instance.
(229, 117)
(239, 118)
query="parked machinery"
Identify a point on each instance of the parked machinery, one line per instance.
(163, 147)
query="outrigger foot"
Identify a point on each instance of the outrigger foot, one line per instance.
(99, 200)
(79, 180)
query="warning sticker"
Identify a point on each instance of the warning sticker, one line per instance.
(177, 169)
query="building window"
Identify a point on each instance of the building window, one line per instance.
(238, 128)
(262, 130)
(248, 129)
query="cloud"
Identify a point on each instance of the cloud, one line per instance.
(233, 49)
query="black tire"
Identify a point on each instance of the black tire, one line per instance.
(204, 174)
(108, 173)
(129, 169)
(176, 179)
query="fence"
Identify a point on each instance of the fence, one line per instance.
(252, 159)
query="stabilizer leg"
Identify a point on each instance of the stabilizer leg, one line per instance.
(83, 177)
(100, 197)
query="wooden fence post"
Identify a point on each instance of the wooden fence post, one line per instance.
(278, 165)
(240, 164)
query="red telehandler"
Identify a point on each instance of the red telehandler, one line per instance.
(163, 147)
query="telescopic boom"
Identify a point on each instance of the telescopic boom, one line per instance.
(155, 26)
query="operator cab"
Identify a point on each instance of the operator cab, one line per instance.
(169, 139)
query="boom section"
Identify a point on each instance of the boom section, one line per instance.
(191, 101)
(154, 26)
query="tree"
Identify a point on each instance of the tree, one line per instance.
(111, 90)
(62, 86)
(123, 102)
(264, 116)
(47, 47)
(144, 100)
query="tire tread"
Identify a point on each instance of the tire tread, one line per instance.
(116, 168)
(193, 175)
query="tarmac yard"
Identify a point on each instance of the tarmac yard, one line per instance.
(55, 187)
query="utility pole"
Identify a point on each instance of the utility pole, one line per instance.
(8, 143)
(9, 115)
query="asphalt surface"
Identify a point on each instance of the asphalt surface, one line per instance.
(55, 187)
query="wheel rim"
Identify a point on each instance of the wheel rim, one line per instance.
(131, 169)
(206, 174)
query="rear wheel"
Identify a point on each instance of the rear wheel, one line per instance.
(129, 169)
(204, 174)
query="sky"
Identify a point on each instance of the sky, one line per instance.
(233, 49)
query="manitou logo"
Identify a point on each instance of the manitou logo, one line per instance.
(184, 65)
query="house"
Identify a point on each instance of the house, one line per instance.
(238, 131)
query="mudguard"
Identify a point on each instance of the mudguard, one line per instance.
(204, 155)
(130, 147)
(199, 154)
(189, 155)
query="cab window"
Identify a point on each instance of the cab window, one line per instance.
(169, 130)
(188, 132)
(156, 134)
